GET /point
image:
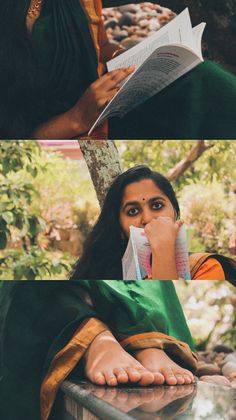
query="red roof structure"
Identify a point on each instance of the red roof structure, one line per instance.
(69, 148)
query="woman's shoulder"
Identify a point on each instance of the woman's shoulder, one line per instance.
(210, 266)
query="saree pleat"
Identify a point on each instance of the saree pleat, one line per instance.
(66, 55)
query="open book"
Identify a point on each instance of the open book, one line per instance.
(159, 60)
(136, 262)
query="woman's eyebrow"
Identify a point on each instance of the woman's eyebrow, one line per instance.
(158, 197)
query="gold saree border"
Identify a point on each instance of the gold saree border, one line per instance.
(161, 341)
(33, 13)
(65, 361)
(197, 259)
(93, 12)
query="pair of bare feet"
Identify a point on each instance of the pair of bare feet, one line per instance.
(107, 363)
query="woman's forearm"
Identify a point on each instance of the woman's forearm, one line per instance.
(63, 126)
(164, 265)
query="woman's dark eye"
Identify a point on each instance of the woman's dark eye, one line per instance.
(132, 212)
(157, 206)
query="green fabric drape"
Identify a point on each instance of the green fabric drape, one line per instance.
(133, 307)
(66, 57)
(39, 318)
(199, 105)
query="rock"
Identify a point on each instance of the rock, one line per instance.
(229, 368)
(141, 33)
(119, 34)
(230, 358)
(208, 369)
(129, 8)
(154, 25)
(232, 376)
(216, 379)
(130, 42)
(127, 19)
(144, 23)
(223, 348)
(220, 358)
(233, 384)
(111, 23)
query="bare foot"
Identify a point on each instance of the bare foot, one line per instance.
(107, 363)
(157, 362)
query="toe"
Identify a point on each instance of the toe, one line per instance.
(121, 376)
(99, 379)
(158, 378)
(180, 378)
(110, 378)
(134, 375)
(147, 378)
(169, 376)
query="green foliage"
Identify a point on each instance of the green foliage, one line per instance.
(217, 163)
(21, 164)
(17, 195)
(35, 264)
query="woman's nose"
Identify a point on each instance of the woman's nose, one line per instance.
(147, 216)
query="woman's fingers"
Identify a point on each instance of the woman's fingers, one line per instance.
(113, 78)
(179, 223)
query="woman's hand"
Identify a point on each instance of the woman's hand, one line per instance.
(97, 96)
(162, 233)
(80, 118)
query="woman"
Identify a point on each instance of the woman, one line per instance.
(52, 74)
(146, 199)
(50, 330)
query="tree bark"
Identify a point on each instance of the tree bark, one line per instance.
(195, 153)
(103, 161)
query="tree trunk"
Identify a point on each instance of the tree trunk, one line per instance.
(195, 153)
(103, 161)
(220, 30)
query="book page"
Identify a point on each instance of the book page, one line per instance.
(181, 254)
(177, 31)
(141, 252)
(128, 263)
(164, 66)
(197, 34)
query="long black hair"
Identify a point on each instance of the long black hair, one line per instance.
(20, 98)
(104, 248)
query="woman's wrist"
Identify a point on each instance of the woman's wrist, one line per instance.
(164, 264)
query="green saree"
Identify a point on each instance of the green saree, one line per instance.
(39, 321)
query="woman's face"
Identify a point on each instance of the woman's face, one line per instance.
(143, 201)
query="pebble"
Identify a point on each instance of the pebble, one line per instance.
(230, 358)
(208, 369)
(127, 19)
(229, 368)
(121, 22)
(223, 348)
(233, 384)
(216, 379)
